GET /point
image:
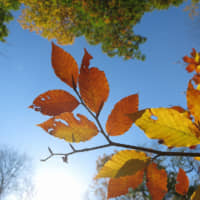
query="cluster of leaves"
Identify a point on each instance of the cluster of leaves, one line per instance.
(107, 22)
(99, 187)
(5, 16)
(173, 127)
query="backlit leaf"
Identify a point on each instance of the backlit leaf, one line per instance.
(193, 62)
(123, 163)
(86, 59)
(94, 88)
(182, 182)
(196, 194)
(67, 127)
(193, 101)
(118, 121)
(172, 127)
(54, 102)
(65, 66)
(120, 186)
(156, 182)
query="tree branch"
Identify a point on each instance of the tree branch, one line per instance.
(114, 144)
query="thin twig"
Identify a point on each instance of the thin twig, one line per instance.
(114, 144)
(93, 115)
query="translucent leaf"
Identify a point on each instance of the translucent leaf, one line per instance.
(118, 121)
(156, 182)
(54, 102)
(94, 88)
(182, 182)
(86, 59)
(193, 101)
(123, 163)
(67, 127)
(120, 186)
(170, 126)
(196, 194)
(65, 66)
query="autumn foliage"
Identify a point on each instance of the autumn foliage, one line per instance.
(173, 127)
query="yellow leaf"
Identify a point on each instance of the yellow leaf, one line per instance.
(67, 127)
(170, 126)
(123, 163)
(196, 194)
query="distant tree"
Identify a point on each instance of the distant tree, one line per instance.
(107, 22)
(15, 177)
(6, 6)
(98, 188)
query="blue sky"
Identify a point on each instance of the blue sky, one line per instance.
(26, 72)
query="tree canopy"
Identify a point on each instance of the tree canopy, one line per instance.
(109, 22)
(6, 6)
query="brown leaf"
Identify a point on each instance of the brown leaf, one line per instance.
(156, 182)
(94, 88)
(54, 102)
(119, 121)
(120, 186)
(65, 66)
(86, 59)
(193, 101)
(182, 182)
(67, 127)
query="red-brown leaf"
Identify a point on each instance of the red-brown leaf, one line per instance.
(156, 182)
(94, 88)
(120, 186)
(54, 102)
(65, 66)
(193, 99)
(86, 59)
(182, 182)
(118, 121)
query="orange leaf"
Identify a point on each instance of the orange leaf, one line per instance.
(118, 121)
(188, 59)
(94, 88)
(190, 68)
(182, 182)
(54, 102)
(120, 186)
(193, 99)
(65, 66)
(194, 62)
(178, 108)
(67, 127)
(86, 59)
(196, 79)
(156, 182)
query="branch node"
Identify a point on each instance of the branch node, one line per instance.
(72, 147)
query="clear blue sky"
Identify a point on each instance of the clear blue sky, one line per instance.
(26, 72)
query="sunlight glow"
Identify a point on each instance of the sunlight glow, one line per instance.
(58, 185)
